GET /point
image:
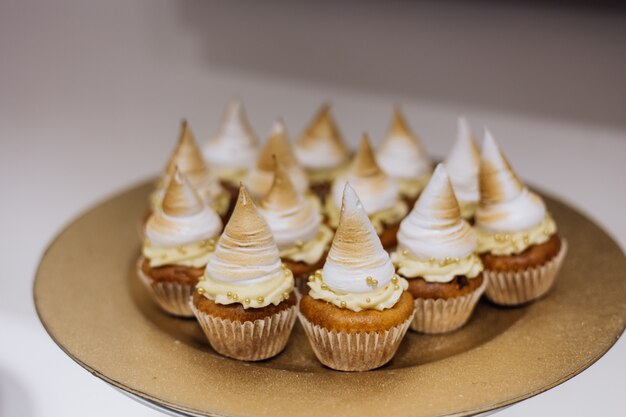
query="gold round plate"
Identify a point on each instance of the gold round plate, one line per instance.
(92, 305)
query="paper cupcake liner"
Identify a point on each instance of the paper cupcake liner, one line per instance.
(359, 351)
(248, 340)
(445, 315)
(171, 297)
(519, 287)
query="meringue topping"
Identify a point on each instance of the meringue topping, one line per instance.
(260, 179)
(435, 228)
(506, 204)
(377, 191)
(235, 146)
(246, 253)
(463, 163)
(292, 218)
(188, 158)
(356, 262)
(183, 218)
(321, 145)
(401, 154)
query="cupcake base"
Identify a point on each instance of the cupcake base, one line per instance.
(171, 296)
(389, 236)
(442, 315)
(512, 288)
(257, 339)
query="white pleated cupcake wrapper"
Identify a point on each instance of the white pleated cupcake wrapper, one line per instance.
(519, 287)
(248, 340)
(171, 297)
(445, 315)
(360, 351)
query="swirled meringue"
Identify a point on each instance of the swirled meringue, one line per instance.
(259, 179)
(435, 228)
(292, 218)
(506, 204)
(188, 158)
(183, 218)
(246, 261)
(377, 191)
(401, 154)
(321, 146)
(463, 164)
(356, 262)
(235, 146)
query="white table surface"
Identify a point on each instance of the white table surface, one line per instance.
(91, 94)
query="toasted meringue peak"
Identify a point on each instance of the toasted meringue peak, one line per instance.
(463, 164)
(180, 198)
(321, 145)
(376, 189)
(246, 251)
(401, 154)
(291, 217)
(505, 204)
(356, 262)
(435, 228)
(235, 145)
(182, 218)
(260, 179)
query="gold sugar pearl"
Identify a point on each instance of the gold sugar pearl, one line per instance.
(396, 287)
(287, 272)
(200, 290)
(260, 300)
(343, 304)
(318, 273)
(394, 280)
(311, 278)
(371, 282)
(286, 295)
(229, 295)
(324, 286)
(368, 300)
(299, 244)
(405, 252)
(247, 301)
(235, 296)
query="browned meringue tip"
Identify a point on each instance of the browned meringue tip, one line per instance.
(282, 194)
(278, 146)
(323, 126)
(438, 199)
(180, 198)
(364, 163)
(497, 180)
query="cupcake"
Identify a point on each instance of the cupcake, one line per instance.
(517, 237)
(437, 254)
(378, 192)
(462, 165)
(302, 239)
(402, 157)
(321, 150)
(259, 180)
(188, 158)
(245, 301)
(357, 310)
(233, 151)
(179, 236)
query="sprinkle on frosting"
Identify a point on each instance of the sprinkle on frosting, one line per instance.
(235, 146)
(260, 179)
(401, 154)
(292, 218)
(177, 233)
(246, 261)
(377, 191)
(462, 165)
(188, 158)
(506, 204)
(434, 242)
(321, 145)
(357, 267)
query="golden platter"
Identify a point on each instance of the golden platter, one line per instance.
(93, 307)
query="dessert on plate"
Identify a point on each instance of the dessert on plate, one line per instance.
(233, 151)
(321, 150)
(437, 255)
(517, 237)
(462, 165)
(179, 236)
(259, 179)
(357, 310)
(188, 158)
(245, 302)
(302, 239)
(377, 191)
(402, 157)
